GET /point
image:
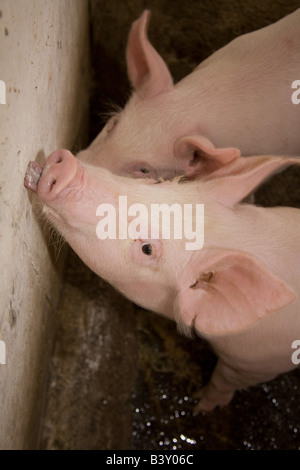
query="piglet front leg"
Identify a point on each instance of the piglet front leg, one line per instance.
(224, 382)
(219, 390)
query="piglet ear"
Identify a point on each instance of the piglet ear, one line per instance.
(147, 71)
(228, 292)
(197, 157)
(232, 183)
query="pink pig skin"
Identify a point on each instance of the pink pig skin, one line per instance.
(240, 291)
(239, 97)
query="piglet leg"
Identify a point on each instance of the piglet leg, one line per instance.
(220, 389)
(223, 383)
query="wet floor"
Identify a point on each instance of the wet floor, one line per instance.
(171, 369)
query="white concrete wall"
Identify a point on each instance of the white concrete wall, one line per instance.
(44, 65)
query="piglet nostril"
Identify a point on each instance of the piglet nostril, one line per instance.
(52, 183)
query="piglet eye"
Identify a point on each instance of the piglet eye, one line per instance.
(111, 124)
(144, 170)
(147, 249)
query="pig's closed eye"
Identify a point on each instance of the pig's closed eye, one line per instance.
(147, 249)
(111, 124)
(144, 171)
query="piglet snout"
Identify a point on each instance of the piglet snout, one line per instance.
(59, 170)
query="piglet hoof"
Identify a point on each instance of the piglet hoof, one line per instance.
(211, 398)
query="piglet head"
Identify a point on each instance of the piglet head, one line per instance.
(206, 289)
(73, 194)
(154, 136)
